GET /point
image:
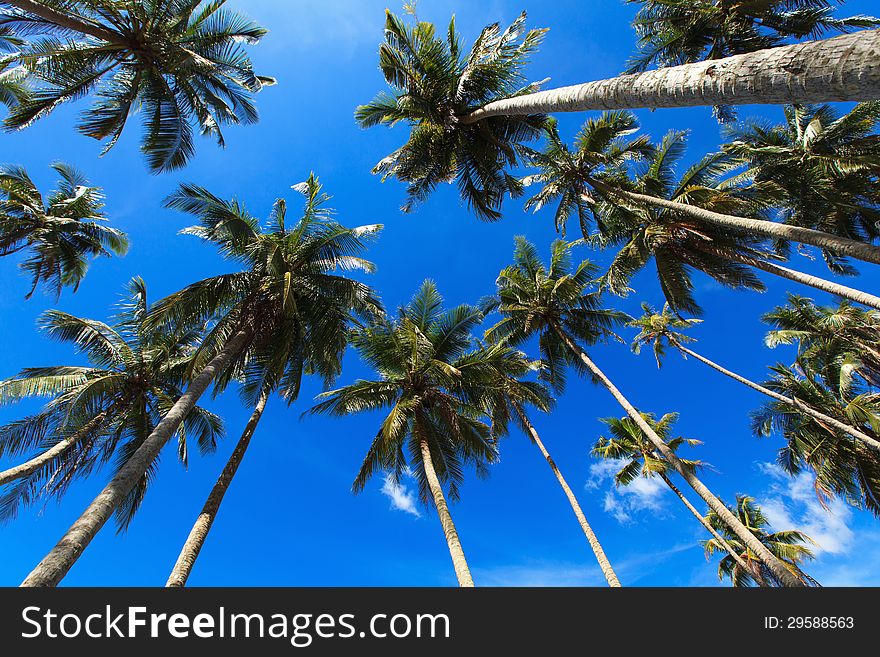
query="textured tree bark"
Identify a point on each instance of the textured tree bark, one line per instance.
(20, 471)
(66, 20)
(794, 401)
(61, 558)
(199, 533)
(601, 557)
(839, 245)
(462, 572)
(748, 539)
(839, 69)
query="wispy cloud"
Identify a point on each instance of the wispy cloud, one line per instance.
(401, 496)
(626, 502)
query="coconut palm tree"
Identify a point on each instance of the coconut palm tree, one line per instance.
(511, 395)
(825, 167)
(104, 411)
(433, 80)
(665, 329)
(558, 305)
(13, 77)
(289, 306)
(667, 227)
(628, 446)
(432, 383)
(790, 547)
(181, 61)
(59, 233)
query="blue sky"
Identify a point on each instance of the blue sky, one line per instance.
(290, 517)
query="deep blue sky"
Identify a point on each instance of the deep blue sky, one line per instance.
(290, 517)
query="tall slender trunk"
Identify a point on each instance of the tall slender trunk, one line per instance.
(61, 558)
(839, 245)
(20, 471)
(462, 572)
(794, 401)
(839, 69)
(604, 563)
(748, 539)
(73, 23)
(709, 528)
(199, 533)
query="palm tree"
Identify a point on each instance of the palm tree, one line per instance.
(511, 395)
(825, 167)
(104, 411)
(628, 446)
(13, 77)
(433, 81)
(59, 233)
(182, 61)
(287, 302)
(432, 383)
(788, 546)
(557, 305)
(664, 223)
(665, 328)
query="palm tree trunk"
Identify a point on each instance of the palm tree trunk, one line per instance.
(462, 572)
(843, 68)
(604, 563)
(709, 528)
(794, 401)
(838, 245)
(20, 471)
(73, 23)
(199, 533)
(748, 539)
(55, 565)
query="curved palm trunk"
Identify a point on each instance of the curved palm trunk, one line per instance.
(462, 572)
(199, 533)
(604, 563)
(61, 558)
(705, 523)
(839, 245)
(738, 528)
(794, 401)
(842, 68)
(73, 23)
(21, 471)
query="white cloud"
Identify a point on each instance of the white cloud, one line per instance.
(625, 502)
(402, 498)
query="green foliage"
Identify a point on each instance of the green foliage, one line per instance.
(660, 330)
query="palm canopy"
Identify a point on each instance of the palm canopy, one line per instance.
(673, 32)
(660, 330)
(134, 375)
(627, 444)
(292, 295)
(433, 82)
(678, 243)
(13, 77)
(825, 167)
(433, 382)
(58, 233)
(789, 546)
(536, 300)
(182, 62)
(602, 149)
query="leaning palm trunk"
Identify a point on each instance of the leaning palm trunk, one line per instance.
(825, 420)
(843, 68)
(738, 528)
(55, 565)
(68, 21)
(839, 245)
(59, 448)
(709, 528)
(462, 572)
(604, 563)
(199, 533)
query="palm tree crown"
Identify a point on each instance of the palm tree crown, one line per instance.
(659, 330)
(13, 77)
(181, 61)
(59, 233)
(434, 81)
